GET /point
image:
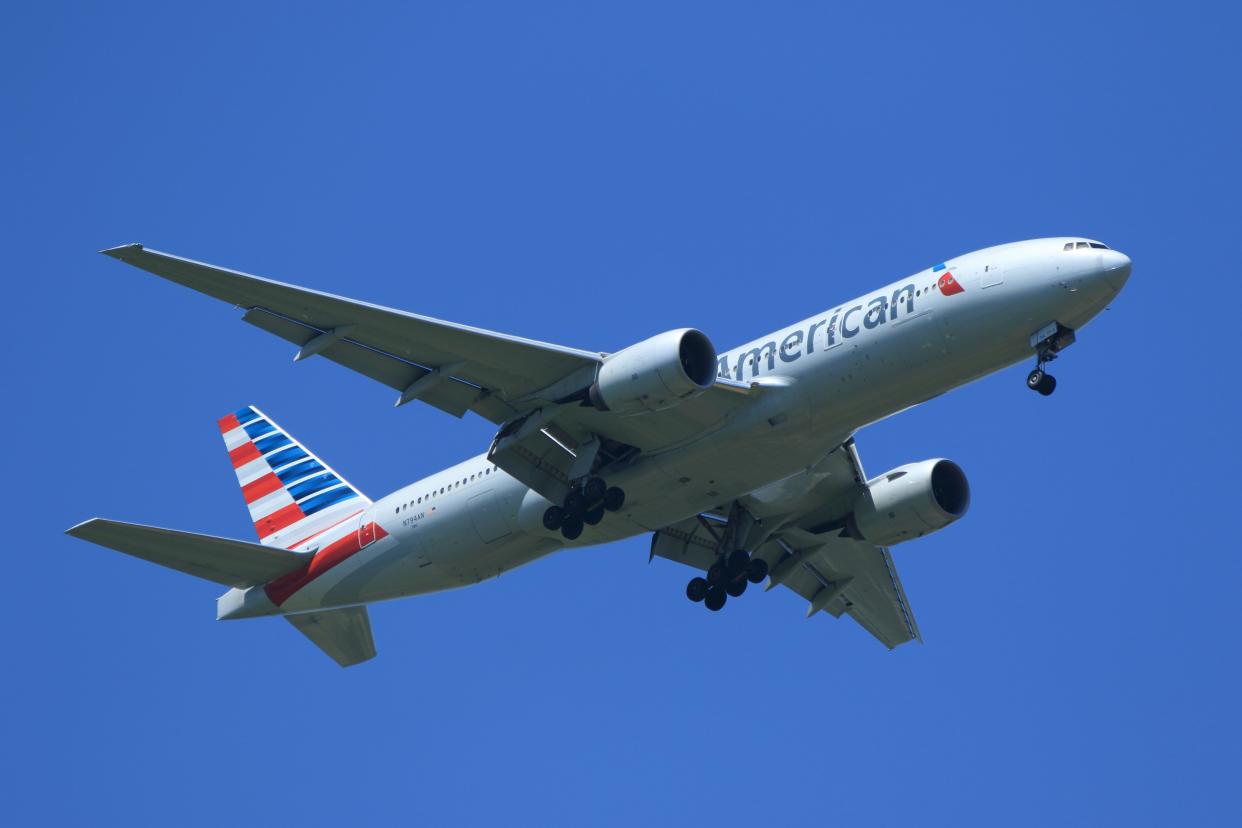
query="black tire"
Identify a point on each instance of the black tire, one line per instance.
(614, 499)
(553, 517)
(594, 490)
(738, 561)
(594, 516)
(697, 589)
(757, 571)
(715, 599)
(575, 503)
(736, 588)
(572, 527)
(1048, 385)
(1034, 379)
(716, 573)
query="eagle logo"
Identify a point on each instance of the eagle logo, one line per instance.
(948, 285)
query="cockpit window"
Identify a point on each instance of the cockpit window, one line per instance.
(1099, 246)
(1081, 245)
(1068, 246)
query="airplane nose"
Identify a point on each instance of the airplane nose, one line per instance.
(1116, 268)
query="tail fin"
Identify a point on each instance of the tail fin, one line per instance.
(293, 496)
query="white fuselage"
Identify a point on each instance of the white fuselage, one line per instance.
(820, 379)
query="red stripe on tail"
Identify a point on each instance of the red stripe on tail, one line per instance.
(244, 454)
(278, 520)
(227, 423)
(256, 489)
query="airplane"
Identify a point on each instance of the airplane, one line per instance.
(742, 464)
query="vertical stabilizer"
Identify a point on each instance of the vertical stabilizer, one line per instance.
(293, 496)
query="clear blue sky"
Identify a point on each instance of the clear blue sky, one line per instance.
(592, 174)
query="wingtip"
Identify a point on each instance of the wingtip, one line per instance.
(76, 530)
(119, 251)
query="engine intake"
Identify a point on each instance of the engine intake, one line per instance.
(909, 502)
(655, 374)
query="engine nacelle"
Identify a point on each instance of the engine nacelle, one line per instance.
(909, 502)
(657, 373)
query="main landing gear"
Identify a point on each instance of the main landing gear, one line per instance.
(1048, 342)
(585, 504)
(727, 578)
(734, 567)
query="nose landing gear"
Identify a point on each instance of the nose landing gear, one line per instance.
(1048, 342)
(584, 505)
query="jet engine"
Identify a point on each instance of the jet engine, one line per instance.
(909, 502)
(657, 373)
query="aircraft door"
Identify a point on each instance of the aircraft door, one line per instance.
(366, 528)
(991, 275)
(485, 515)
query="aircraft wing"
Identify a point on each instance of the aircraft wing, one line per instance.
(806, 552)
(456, 368)
(460, 368)
(506, 379)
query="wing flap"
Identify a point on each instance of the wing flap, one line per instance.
(874, 597)
(344, 634)
(452, 395)
(225, 561)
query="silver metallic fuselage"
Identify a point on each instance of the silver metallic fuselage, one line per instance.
(820, 381)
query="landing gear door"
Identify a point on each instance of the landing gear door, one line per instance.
(366, 528)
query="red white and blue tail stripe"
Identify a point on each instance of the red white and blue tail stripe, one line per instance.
(293, 496)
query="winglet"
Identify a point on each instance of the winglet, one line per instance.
(119, 251)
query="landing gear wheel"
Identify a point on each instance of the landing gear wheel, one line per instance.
(716, 573)
(697, 589)
(594, 516)
(553, 517)
(594, 490)
(757, 571)
(715, 599)
(736, 588)
(614, 499)
(1039, 380)
(738, 561)
(572, 527)
(575, 503)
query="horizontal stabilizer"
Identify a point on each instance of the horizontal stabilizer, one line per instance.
(229, 562)
(344, 634)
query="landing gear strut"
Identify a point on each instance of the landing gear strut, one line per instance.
(734, 568)
(1048, 342)
(584, 505)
